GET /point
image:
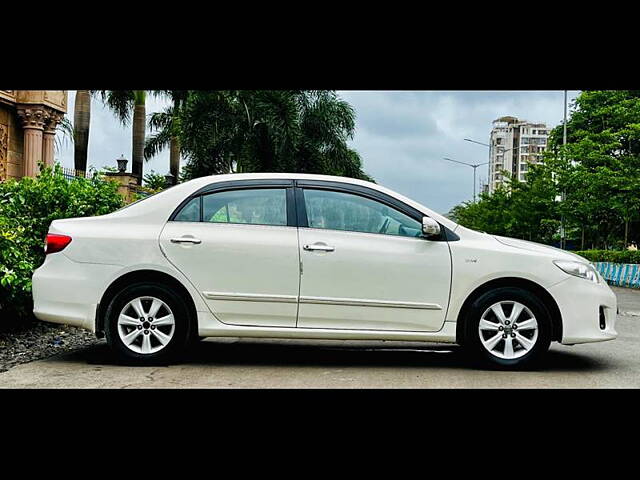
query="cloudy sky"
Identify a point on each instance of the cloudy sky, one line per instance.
(400, 135)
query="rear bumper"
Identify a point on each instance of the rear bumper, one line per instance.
(580, 302)
(67, 292)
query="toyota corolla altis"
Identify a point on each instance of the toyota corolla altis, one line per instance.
(315, 257)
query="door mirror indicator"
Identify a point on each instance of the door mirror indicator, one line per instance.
(430, 228)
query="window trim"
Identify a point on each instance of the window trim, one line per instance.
(445, 233)
(306, 223)
(296, 209)
(369, 193)
(360, 191)
(254, 184)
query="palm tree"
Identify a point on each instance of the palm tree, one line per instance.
(81, 121)
(138, 134)
(168, 126)
(65, 127)
(116, 100)
(122, 103)
(268, 131)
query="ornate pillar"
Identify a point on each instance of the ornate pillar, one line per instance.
(49, 137)
(33, 120)
(4, 151)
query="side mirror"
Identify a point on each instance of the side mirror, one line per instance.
(430, 227)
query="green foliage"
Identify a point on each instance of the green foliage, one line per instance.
(65, 128)
(154, 181)
(165, 123)
(599, 168)
(264, 131)
(598, 171)
(521, 210)
(120, 102)
(16, 267)
(27, 207)
(613, 256)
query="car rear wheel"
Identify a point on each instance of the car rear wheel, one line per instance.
(508, 327)
(147, 324)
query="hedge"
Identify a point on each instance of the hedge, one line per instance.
(612, 256)
(27, 208)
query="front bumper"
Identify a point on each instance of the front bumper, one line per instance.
(580, 302)
(67, 292)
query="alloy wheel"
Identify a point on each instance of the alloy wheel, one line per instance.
(508, 330)
(146, 325)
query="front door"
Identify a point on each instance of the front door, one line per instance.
(239, 248)
(366, 265)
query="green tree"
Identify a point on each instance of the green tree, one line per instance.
(138, 132)
(130, 106)
(118, 101)
(491, 213)
(268, 131)
(597, 172)
(599, 168)
(166, 123)
(81, 124)
(534, 206)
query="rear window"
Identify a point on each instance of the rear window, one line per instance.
(190, 212)
(257, 206)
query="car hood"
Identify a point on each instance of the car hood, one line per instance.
(538, 247)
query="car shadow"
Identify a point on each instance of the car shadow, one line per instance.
(278, 353)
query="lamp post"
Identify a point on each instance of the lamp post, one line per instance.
(479, 143)
(487, 145)
(484, 144)
(472, 165)
(563, 241)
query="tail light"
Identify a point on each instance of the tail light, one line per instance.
(56, 243)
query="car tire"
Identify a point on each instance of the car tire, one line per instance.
(517, 347)
(159, 341)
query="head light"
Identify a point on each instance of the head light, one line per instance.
(578, 269)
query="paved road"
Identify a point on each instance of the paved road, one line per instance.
(236, 363)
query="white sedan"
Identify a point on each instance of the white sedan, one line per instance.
(311, 256)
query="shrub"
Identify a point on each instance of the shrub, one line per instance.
(27, 208)
(154, 181)
(16, 267)
(613, 256)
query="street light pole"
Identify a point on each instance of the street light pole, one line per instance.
(472, 165)
(564, 136)
(487, 145)
(483, 144)
(562, 196)
(479, 143)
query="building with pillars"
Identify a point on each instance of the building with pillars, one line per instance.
(28, 121)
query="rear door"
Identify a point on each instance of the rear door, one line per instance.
(238, 245)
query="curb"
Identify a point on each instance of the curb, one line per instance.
(620, 274)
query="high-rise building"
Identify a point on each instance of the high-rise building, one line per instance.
(515, 144)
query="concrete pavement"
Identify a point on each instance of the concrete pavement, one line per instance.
(252, 363)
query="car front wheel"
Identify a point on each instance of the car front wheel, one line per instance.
(147, 324)
(508, 327)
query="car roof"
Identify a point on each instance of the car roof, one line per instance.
(284, 176)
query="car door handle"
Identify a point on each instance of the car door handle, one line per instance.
(195, 241)
(320, 247)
